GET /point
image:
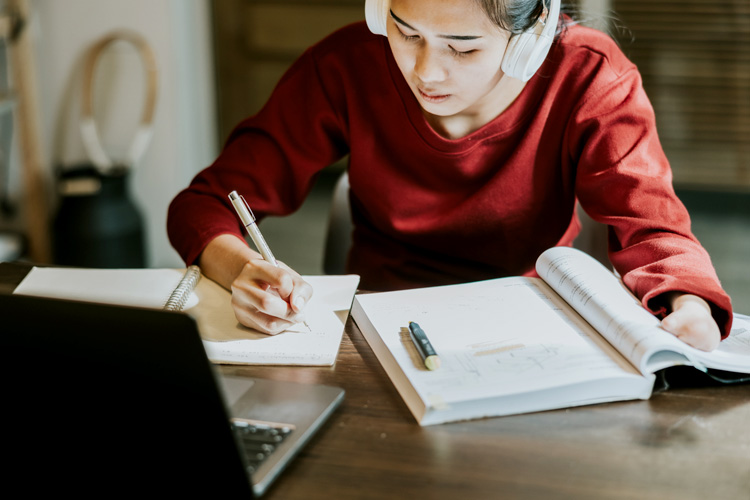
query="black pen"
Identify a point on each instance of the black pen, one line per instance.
(429, 356)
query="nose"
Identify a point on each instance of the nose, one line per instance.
(428, 66)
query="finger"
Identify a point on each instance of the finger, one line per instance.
(281, 278)
(261, 271)
(694, 328)
(256, 298)
(285, 281)
(264, 323)
(262, 310)
(291, 287)
(252, 296)
(301, 295)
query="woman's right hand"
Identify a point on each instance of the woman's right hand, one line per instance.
(267, 298)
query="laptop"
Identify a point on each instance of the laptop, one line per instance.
(100, 400)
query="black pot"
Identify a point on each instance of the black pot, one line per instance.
(97, 225)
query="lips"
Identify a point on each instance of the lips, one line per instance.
(432, 97)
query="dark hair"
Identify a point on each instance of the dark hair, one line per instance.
(516, 16)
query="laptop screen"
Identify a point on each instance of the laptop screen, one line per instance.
(103, 399)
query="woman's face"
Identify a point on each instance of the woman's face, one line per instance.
(449, 53)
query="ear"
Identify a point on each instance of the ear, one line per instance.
(376, 15)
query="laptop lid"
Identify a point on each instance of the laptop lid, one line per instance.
(102, 399)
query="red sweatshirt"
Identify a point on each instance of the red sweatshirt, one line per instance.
(430, 210)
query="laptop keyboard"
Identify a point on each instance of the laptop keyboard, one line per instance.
(259, 439)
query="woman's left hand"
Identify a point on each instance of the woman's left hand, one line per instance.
(691, 322)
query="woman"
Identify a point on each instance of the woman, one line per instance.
(460, 169)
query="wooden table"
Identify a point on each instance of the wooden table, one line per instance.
(684, 443)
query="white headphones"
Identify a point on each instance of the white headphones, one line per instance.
(525, 52)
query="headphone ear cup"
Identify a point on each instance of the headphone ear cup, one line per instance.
(525, 54)
(376, 15)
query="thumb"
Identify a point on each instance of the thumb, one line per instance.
(300, 296)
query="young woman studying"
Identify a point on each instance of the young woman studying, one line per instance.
(472, 126)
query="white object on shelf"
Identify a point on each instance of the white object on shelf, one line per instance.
(10, 247)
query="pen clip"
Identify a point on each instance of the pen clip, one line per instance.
(242, 208)
(249, 210)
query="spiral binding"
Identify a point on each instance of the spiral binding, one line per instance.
(181, 294)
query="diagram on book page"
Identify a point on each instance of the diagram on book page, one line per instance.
(502, 337)
(485, 357)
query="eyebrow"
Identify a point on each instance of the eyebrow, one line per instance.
(449, 37)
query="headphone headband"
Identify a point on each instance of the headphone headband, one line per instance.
(376, 15)
(525, 52)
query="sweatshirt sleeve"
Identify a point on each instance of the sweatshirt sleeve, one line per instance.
(271, 158)
(624, 180)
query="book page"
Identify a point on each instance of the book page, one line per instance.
(314, 343)
(494, 338)
(604, 301)
(733, 353)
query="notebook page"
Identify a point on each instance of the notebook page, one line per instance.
(148, 288)
(317, 343)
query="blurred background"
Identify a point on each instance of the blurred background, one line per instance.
(217, 62)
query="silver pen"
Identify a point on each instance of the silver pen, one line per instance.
(248, 220)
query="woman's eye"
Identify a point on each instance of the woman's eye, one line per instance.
(459, 53)
(407, 37)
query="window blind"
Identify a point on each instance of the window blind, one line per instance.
(694, 56)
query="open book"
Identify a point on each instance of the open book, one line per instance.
(573, 337)
(315, 342)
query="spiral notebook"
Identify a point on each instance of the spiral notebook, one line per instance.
(169, 289)
(313, 343)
